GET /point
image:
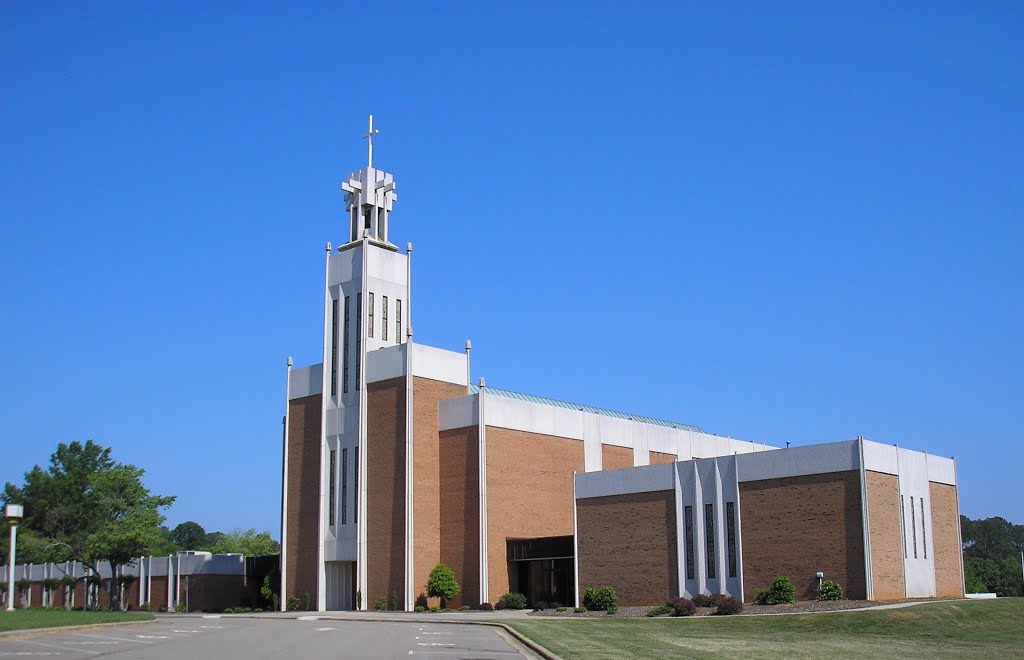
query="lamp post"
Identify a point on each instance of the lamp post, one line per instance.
(14, 513)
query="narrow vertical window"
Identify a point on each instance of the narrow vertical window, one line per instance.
(334, 347)
(709, 537)
(359, 335)
(913, 526)
(344, 486)
(730, 530)
(369, 312)
(332, 475)
(924, 536)
(355, 484)
(344, 357)
(398, 321)
(384, 319)
(689, 543)
(903, 521)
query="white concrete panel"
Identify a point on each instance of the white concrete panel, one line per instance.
(591, 443)
(344, 266)
(919, 564)
(797, 461)
(615, 431)
(519, 415)
(385, 363)
(942, 470)
(662, 439)
(625, 481)
(439, 364)
(305, 381)
(880, 458)
(640, 454)
(458, 413)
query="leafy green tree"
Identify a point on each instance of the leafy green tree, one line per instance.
(247, 542)
(87, 507)
(992, 562)
(442, 584)
(189, 535)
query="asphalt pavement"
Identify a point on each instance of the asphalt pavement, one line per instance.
(227, 637)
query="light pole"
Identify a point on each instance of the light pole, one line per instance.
(14, 513)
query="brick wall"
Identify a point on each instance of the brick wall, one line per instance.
(529, 493)
(426, 474)
(886, 541)
(797, 526)
(657, 457)
(949, 581)
(215, 592)
(303, 496)
(613, 458)
(157, 596)
(385, 490)
(460, 510)
(629, 542)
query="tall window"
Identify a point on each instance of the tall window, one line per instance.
(355, 484)
(398, 321)
(913, 526)
(359, 335)
(344, 357)
(334, 347)
(384, 318)
(344, 486)
(903, 519)
(369, 323)
(689, 543)
(332, 476)
(924, 536)
(730, 530)
(709, 537)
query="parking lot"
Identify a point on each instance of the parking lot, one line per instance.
(228, 637)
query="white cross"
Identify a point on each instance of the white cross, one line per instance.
(369, 143)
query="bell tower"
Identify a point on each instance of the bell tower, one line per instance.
(369, 196)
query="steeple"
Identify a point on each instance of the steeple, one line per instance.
(369, 196)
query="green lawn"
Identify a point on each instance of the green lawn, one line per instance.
(993, 629)
(39, 618)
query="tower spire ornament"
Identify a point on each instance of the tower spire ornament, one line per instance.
(368, 136)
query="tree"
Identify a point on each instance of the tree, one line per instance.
(189, 535)
(441, 584)
(248, 542)
(89, 508)
(992, 550)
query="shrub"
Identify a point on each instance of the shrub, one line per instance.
(442, 583)
(702, 600)
(162, 608)
(512, 601)
(781, 591)
(718, 599)
(394, 601)
(579, 610)
(293, 603)
(180, 608)
(433, 609)
(660, 610)
(24, 584)
(420, 608)
(305, 601)
(50, 583)
(381, 604)
(830, 590)
(729, 605)
(464, 608)
(144, 607)
(68, 581)
(229, 610)
(602, 598)
(486, 607)
(359, 600)
(561, 609)
(683, 607)
(540, 606)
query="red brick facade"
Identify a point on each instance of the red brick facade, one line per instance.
(460, 510)
(385, 490)
(303, 496)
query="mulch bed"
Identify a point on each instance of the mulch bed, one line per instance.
(748, 608)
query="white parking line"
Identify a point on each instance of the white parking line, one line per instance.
(29, 652)
(118, 639)
(54, 646)
(324, 629)
(211, 616)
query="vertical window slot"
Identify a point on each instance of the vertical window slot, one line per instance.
(709, 538)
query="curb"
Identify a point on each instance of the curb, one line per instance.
(33, 632)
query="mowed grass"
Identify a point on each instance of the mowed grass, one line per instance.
(40, 618)
(959, 629)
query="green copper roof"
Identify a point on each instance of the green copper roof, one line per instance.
(532, 398)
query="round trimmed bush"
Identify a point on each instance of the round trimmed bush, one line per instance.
(830, 590)
(512, 601)
(729, 605)
(683, 607)
(602, 598)
(702, 600)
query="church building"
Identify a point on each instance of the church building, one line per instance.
(393, 462)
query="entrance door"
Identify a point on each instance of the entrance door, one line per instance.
(339, 585)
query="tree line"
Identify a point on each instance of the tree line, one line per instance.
(992, 560)
(85, 506)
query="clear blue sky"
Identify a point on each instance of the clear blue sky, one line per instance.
(776, 221)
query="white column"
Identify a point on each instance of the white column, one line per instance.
(283, 559)
(410, 565)
(170, 583)
(482, 482)
(575, 546)
(325, 395)
(10, 568)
